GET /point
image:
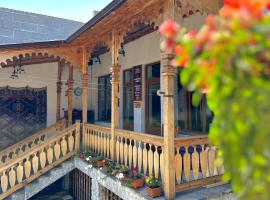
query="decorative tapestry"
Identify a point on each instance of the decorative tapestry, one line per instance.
(23, 112)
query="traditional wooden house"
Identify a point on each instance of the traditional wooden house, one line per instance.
(112, 76)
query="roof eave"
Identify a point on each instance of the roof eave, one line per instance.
(92, 22)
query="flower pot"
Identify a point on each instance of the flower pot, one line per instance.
(100, 164)
(137, 183)
(153, 192)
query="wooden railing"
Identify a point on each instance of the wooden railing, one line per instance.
(140, 150)
(97, 139)
(18, 172)
(30, 142)
(132, 149)
(194, 157)
(195, 163)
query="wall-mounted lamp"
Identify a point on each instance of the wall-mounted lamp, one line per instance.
(17, 67)
(122, 50)
(98, 60)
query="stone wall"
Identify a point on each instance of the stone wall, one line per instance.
(22, 27)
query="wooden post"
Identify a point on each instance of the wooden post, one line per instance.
(85, 79)
(115, 70)
(77, 136)
(58, 103)
(168, 77)
(59, 91)
(115, 113)
(70, 94)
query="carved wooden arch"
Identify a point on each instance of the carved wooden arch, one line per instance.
(99, 44)
(71, 56)
(151, 16)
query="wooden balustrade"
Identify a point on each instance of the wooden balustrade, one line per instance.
(195, 163)
(18, 172)
(30, 142)
(194, 157)
(140, 150)
(97, 139)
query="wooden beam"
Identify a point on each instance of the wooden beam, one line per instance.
(197, 184)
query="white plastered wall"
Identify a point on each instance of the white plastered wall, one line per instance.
(36, 76)
(143, 51)
(77, 100)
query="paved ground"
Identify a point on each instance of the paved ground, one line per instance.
(222, 192)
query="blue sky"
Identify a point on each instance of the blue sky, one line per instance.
(79, 10)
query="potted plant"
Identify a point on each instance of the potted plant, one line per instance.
(112, 168)
(125, 171)
(153, 188)
(99, 161)
(137, 179)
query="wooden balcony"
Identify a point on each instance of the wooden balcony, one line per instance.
(194, 157)
(25, 162)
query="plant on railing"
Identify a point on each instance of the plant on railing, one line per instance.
(229, 59)
(153, 188)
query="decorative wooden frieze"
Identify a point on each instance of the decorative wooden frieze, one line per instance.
(187, 7)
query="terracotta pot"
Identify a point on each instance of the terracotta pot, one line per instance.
(100, 164)
(153, 192)
(137, 183)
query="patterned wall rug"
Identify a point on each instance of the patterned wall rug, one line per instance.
(23, 111)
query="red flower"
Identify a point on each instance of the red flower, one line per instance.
(254, 7)
(192, 33)
(211, 21)
(169, 28)
(268, 6)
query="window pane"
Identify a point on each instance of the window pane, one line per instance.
(154, 111)
(128, 76)
(101, 98)
(153, 71)
(104, 98)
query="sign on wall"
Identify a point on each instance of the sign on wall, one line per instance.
(137, 81)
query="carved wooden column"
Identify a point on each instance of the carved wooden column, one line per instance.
(59, 91)
(168, 73)
(58, 103)
(85, 79)
(168, 77)
(70, 93)
(115, 74)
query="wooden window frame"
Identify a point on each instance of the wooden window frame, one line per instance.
(131, 85)
(147, 83)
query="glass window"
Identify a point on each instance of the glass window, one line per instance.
(153, 71)
(128, 100)
(192, 119)
(153, 101)
(104, 98)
